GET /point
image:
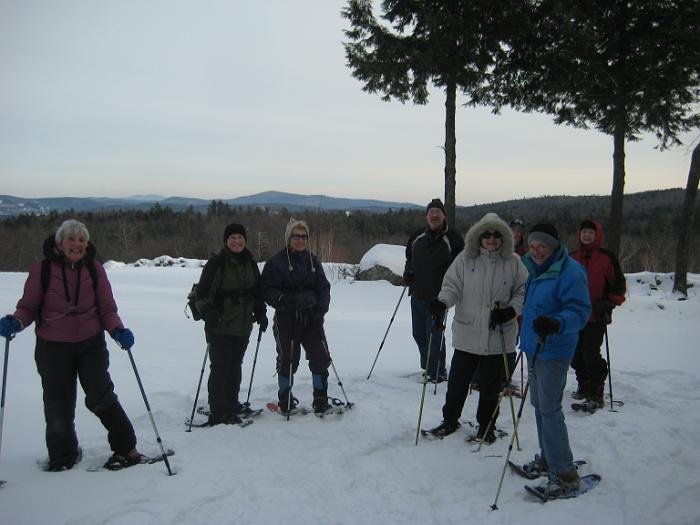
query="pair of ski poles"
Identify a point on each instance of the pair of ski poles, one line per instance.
(201, 375)
(138, 380)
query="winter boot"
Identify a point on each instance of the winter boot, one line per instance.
(444, 429)
(597, 396)
(562, 486)
(56, 466)
(119, 461)
(286, 401)
(488, 438)
(320, 403)
(582, 391)
(536, 467)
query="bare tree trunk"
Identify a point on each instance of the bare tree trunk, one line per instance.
(618, 188)
(450, 150)
(680, 282)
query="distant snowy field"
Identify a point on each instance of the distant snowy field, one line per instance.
(363, 467)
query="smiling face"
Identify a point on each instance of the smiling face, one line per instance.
(73, 247)
(298, 239)
(235, 242)
(587, 236)
(491, 240)
(539, 251)
(435, 219)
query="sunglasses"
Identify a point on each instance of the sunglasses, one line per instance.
(495, 235)
(298, 237)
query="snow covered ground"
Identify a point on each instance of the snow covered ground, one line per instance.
(362, 467)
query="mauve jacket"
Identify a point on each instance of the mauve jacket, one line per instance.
(58, 320)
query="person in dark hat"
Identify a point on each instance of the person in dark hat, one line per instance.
(429, 252)
(607, 288)
(229, 297)
(556, 308)
(517, 226)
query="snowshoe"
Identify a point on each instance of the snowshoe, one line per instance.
(443, 429)
(550, 490)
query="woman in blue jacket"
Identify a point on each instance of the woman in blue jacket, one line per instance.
(557, 306)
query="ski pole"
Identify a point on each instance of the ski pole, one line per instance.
(199, 385)
(607, 351)
(387, 332)
(509, 374)
(289, 388)
(531, 371)
(425, 377)
(148, 409)
(252, 373)
(437, 373)
(340, 383)
(4, 383)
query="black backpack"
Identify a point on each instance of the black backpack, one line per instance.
(192, 296)
(192, 304)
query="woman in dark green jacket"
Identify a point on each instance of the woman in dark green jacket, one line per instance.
(228, 295)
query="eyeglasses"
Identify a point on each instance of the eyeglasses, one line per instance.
(495, 235)
(300, 237)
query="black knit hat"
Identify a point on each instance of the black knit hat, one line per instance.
(435, 203)
(544, 232)
(232, 228)
(588, 224)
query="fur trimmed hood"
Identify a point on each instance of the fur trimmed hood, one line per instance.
(489, 222)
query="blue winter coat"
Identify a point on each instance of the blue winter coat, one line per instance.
(560, 292)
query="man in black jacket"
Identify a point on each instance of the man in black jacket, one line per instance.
(429, 252)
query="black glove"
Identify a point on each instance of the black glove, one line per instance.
(436, 308)
(408, 277)
(500, 316)
(602, 310)
(262, 321)
(545, 326)
(211, 318)
(290, 302)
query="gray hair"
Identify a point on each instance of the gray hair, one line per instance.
(71, 227)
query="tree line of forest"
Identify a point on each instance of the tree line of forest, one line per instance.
(648, 243)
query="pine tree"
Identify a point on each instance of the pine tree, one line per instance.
(622, 67)
(447, 43)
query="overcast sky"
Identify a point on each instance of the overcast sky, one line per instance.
(224, 98)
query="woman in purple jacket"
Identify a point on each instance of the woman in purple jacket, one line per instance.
(70, 299)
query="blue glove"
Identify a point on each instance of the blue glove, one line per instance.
(124, 337)
(9, 326)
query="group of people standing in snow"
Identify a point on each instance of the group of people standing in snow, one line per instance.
(504, 286)
(543, 298)
(69, 297)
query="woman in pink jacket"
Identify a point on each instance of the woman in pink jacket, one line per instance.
(70, 299)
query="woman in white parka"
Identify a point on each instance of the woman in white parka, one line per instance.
(486, 285)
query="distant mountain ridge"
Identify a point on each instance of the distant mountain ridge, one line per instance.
(11, 205)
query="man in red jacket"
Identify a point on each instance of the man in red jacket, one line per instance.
(607, 288)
